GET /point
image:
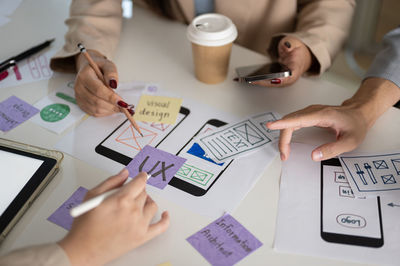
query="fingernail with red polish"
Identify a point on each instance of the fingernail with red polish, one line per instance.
(287, 44)
(113, 83)
(131, 111)
(122, 104)
(275, 81)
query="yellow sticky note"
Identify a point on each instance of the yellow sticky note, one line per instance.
(158, 109)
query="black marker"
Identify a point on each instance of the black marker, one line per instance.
(12, 61)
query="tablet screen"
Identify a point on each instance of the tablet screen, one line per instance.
(16, 170)
(22, 176)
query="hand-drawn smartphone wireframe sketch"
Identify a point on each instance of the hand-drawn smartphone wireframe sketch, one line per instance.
(346, 219)
(240, 138)
(124, 142)
(199, 173)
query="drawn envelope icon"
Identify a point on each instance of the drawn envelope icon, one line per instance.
(132, 138)
(248, 133)
(160, 126)
(396, 165)
(388, 179)
(380, 164)
(184, 170)
(198, 175)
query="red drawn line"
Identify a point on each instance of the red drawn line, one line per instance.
(134, 138)
(17, 73)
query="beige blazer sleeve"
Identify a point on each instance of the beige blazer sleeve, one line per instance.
(95, 23)
(41, 255)
(323, 26)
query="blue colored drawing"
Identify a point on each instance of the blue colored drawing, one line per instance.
(197, 151)
(360, 173)
(380, 164)
(369, 171)
(388, 179)
(396, 165)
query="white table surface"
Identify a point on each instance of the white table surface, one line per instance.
(155, 50)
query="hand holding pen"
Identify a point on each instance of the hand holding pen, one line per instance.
(96, 79)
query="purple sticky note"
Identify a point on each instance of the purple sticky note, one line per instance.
(224, 242)
(14, 111)
(61, 216)
(161, 165)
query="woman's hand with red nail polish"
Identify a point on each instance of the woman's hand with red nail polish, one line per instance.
(92, 95)
(296, 56)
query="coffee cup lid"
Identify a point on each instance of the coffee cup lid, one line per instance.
(211, 30)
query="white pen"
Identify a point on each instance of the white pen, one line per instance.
(96, 201)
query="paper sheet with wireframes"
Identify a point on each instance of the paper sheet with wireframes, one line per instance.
(35, 68)
(221, 187)
(298, 224)
(373, 174)
(239, 138)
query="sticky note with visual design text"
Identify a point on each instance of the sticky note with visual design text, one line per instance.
(159, 109)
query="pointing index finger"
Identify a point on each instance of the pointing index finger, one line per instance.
(295, 120)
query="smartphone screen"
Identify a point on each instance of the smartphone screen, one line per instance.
(261, 72)
(125, 142)
(344, 218)
(199, 172)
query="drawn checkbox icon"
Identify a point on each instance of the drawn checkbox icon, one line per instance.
(380, 164)
(198, 175)
(184, 170)
(396, 165)
(388, 179)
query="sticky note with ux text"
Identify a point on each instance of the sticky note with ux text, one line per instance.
(14, 111)
(160, 109)
(161, 165)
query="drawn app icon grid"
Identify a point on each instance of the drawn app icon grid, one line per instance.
(375, 173)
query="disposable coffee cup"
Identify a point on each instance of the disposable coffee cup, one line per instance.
(211, 36)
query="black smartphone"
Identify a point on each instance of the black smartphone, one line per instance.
(346, 219)
(262, 72)
(199, 173)
(123, 143)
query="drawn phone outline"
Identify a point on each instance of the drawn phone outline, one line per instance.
(345, 238)
(123, 159)
(188, 187)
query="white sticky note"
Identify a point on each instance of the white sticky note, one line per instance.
(58, 110)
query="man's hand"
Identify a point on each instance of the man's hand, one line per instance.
(121, 223)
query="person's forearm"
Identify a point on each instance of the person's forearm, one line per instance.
(374, 97)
